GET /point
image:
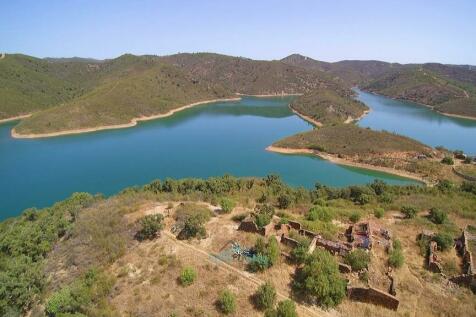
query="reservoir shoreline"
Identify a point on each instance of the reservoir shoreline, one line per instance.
(340, 161)
(130, 124)
(15, 118)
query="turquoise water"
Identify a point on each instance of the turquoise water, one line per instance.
(203, 141)
(419, 122)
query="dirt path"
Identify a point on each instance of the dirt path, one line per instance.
(304, 310)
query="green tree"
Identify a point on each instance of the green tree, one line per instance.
(188, 276)
(438, 216)
(262, 220)
(227, 302)
(299, 254)
(357, 259)
(355, 216)
(150, 226)
(265, 296)
(227, 205)
(258, 263)
(284, 201)
(320, 279)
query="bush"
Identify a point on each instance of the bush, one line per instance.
(448, 160)
(379, 213)
(265, 296)
(299, 254)
(320, 279)
(286, 308)
(187, 276)
(150, 226)
(354, 216)
(227, 302)
(319, 213)
(262, 220)
(357, 259)
(227, 205)
(395, 257)
(443, 240)
(409, 211)
(284, 201)
(272, 251)
(258, 263)
(438, 216)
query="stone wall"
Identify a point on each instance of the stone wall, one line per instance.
(294, 224)
(373, 296)
(289, 241)
(433, 263)
(248, 226)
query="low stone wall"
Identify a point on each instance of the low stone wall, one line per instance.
(433, 264)
(248, 226)
(466, 177)
(289, 241)
(294, 224)
(373, 296)
(344, 268)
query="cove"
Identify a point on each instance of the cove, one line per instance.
(204, 141)
(418, 122)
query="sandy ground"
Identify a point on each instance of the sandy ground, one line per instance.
(308, 119)
(132, 123)
(15, 118)
(268, 95)
(340, 161)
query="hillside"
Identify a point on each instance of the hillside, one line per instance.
(123, 255)
(156, 89)
(329, 105)
(29, 84)
(426, 87)
(349, 144)
(246, 76)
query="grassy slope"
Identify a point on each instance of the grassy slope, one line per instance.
(155, 89)
(29, 84)
(351, 140)
(429, 88)
(329, 105)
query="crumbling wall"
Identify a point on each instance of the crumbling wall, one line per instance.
(433, 263)
(294, 224)
(373, 296)
(289, 241)
(248, 226)
(344, 268)
(265, 231)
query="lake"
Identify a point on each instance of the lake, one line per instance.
(204, 141)
(419, 122)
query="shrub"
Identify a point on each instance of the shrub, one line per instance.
(379, 212)
(395, 257)
(379, 187)
(227, 302)
(258, 263)
(319, 213)
(150, 226)
(272, 250)
(443, 240)
(187, 276)
(438, 216)
(284, 201)
(354, 216)
(265, 296)
(260, 245)
(448, 160)
(227, 205)
(262, 220)
(299, 254)
(320, 279)
(286, 308)
(358, 259)
(409, 211)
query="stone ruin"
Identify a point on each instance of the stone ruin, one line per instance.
(360, 235)
(374, 296)
(433, 260)
(466, 247)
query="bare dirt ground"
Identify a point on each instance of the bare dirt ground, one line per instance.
(147, 275)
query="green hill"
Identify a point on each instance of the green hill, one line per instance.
(329, 105)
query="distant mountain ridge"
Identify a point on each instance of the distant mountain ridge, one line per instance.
(51, 88)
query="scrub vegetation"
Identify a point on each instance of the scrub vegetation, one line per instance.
(38, 247)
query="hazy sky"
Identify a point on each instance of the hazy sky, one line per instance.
(332, 30)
